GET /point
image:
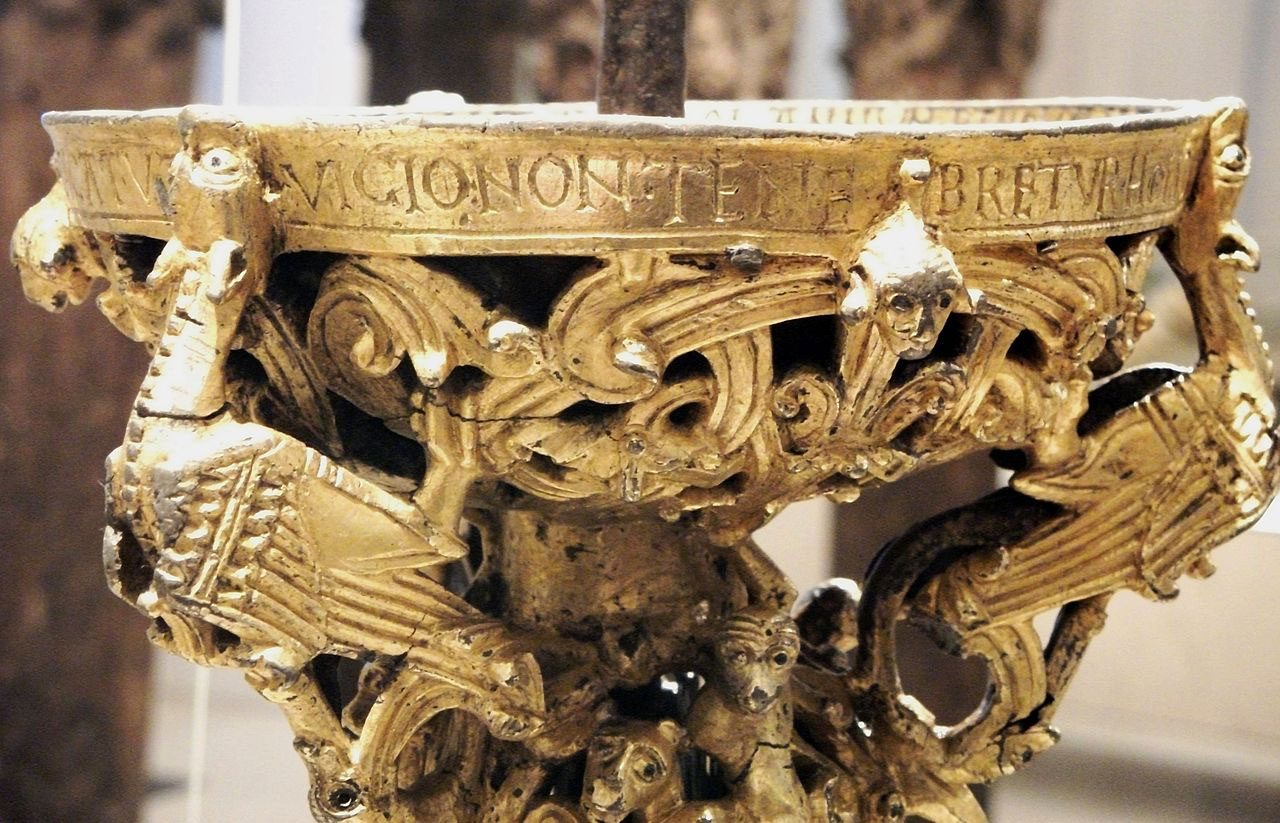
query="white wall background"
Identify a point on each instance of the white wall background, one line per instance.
(1195, 49)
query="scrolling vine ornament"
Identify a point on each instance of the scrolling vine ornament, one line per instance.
(458, 424)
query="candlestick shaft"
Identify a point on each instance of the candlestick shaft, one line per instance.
(642, 66)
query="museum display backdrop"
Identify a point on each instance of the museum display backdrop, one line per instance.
(458, 424)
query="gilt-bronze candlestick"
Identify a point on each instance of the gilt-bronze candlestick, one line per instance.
(458, 425)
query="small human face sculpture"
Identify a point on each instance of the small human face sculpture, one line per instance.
(914, 306)
(907, 283)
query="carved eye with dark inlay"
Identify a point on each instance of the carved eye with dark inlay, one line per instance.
(1233, 157)
(647, 768)
(220, 161)
(945, 301)
(901, 302)
(781, 659)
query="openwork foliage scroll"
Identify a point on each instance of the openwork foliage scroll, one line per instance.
(457, 428)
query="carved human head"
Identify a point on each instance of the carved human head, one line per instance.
(906, 283)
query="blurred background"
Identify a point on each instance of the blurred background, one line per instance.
(1174, 715)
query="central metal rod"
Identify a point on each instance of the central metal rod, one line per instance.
(642, 64)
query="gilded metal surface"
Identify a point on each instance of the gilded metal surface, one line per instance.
(458, 425)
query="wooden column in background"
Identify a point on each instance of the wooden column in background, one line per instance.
(941, 49)
(737, 49)
(73, 659)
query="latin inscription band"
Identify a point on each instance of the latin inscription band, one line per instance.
(451, 191)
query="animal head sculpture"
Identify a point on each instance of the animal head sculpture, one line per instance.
(630, 766)
(755, 654)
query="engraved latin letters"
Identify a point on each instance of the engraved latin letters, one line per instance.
(550, 180)
(644, 186)
(487, 181)
(1047, 192)
(446, 182)
(115, 179)
(367, 184)
(619, 191)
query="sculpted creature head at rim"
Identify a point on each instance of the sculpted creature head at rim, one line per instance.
(904, 280)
